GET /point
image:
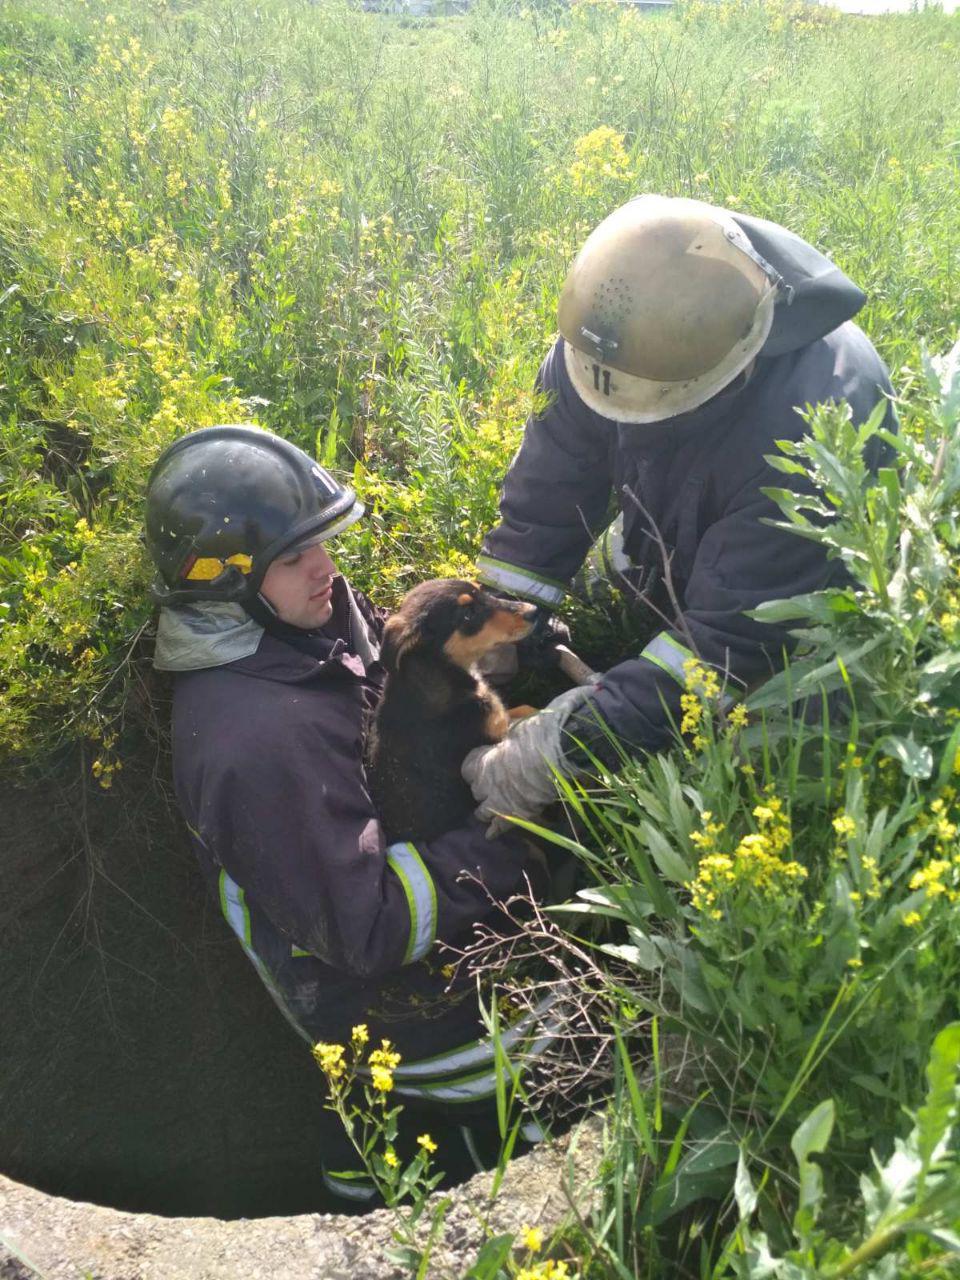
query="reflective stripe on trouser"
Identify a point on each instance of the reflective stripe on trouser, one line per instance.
(519, 581)
(469, 1073)
(667, 653)
(237, 915)
(421, 894)
(349, 1185)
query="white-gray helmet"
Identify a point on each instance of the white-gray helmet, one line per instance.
(665, 304)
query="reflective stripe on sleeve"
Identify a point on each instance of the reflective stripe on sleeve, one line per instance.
(421, 895)
(669, 655)
(518, 581)
(237, 915)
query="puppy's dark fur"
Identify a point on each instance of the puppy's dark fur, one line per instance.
(435, 707)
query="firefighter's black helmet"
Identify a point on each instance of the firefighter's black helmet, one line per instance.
(223, 502)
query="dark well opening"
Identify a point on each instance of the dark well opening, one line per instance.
(142, 1064)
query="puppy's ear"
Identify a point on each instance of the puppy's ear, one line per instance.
(400, 635)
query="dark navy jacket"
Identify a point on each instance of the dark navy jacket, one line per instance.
(268, 768)
(698, 478)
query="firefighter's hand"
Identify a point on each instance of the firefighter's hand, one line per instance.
(538, 650)
(533, 653)
(516, 778)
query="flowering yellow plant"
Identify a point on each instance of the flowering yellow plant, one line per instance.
(755, 862)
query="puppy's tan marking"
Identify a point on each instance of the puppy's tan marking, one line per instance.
(399, 637)
(497, 722)
(521, 712)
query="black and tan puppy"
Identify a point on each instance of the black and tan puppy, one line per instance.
(435, 706)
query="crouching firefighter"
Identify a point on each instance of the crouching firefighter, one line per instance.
(276, 673)
(691, 341)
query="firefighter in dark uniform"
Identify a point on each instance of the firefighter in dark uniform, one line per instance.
(691, 339)
(277, 672)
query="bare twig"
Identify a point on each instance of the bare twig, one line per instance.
(532, 963)
(666, 556)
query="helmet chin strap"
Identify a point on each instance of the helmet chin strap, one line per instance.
(262, 611)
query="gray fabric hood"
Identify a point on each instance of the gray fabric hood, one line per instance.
(822, 297)
(212, 634)
(207, 634)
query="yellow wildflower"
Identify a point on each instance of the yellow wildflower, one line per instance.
(548, 1270)
(912, 918)
(532, 1238)
(754, 863)
(427, 1143)
(360, 1035)
(844, 825)
(600, 156)
(390, 1160)
(737, 716)
(692, 710)
(930, 878)
(329, 1058)
(381, 1079)
(384, 1057)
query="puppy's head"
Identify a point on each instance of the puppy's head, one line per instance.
(456, 618)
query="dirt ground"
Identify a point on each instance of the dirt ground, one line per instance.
(142, 1064)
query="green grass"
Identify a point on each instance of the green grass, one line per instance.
(353, 229)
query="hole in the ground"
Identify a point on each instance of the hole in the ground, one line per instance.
(143, 1067)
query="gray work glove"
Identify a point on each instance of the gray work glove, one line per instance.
(516, 777)
(500, 664)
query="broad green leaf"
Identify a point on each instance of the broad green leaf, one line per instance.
(871, 1083)
(898, 1180)
(821, 605)
(491, 1258)
(744, 1190)
(786, 465)
(670, 863)
(946, 1239)
(943, 378)
(702, 1173)
(943, 664)
(811, 1138)
(643, 956)
(914, 758)
(939, 1113)
(948, 759)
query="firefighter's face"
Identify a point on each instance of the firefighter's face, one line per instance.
(299, 586)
